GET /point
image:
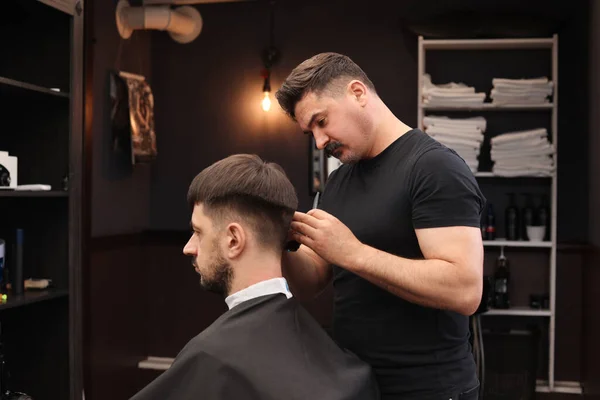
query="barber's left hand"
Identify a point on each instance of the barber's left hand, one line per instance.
(325, 235)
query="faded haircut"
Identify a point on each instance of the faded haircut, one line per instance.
(324, 72)
(249, 189)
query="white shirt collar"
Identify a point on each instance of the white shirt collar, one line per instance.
(270, 286)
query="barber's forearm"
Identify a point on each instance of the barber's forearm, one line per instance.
(432, 283)
(304, 274)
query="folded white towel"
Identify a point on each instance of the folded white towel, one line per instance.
(475, 140)
(438, 91)
(523, 167)
(543, 160)
(453, 102)
(468, 132)
(472, 144)
(501, 172)
(521, 82)
(519, 135)
(455, 95)
(519, 100)
(428, 85)
(506, 155)
(476, 122)
(541, 148)
(522, 144)
(540, 92)
(454, 92)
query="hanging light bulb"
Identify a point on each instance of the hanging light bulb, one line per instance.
(270, 56)
(266, 102)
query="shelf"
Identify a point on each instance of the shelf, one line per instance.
(490, 107)
(492, 175)
(516, 243)
(156, 363)
(28, 86)
(33, 193)
(32, 296)
(559, 387)
(487, 44)
(519, 312)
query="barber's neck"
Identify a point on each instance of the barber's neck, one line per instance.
(254, 268)
(387, 128)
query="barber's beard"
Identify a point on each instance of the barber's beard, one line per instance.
(221, 274)
(346, 159)
(332, 147)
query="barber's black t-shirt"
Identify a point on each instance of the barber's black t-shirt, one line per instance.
(416, 182)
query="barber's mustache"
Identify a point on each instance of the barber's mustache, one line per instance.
(331, 147)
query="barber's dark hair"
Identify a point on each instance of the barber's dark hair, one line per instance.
(245, 187)
(318, 74)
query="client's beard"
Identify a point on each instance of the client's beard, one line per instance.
(222, 275)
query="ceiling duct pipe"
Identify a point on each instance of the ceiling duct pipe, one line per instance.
(183, 24)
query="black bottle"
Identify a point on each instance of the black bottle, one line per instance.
(528, 216)
(543, 215)
(501, 282)
(511, 219)
(490, 223)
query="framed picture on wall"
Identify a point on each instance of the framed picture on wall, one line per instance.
(320, 167)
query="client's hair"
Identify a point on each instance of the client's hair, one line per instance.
(245, 187)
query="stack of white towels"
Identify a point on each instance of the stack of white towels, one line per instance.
(522, 153)
(463, 135)
(450, 94)
(521, 91)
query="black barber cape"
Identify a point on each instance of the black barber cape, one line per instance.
(264, 348)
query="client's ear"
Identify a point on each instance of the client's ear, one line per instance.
(236, 240)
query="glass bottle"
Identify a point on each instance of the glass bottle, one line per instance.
(501, 282)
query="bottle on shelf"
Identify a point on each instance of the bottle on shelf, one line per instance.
(528, 218)
(543, 215)
(511, 219)
(489, 223)
(501, 282)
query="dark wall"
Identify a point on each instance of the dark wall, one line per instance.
(209, 91)
(120, 191)
(120, 202)
(591, 301)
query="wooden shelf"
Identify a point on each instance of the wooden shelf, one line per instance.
(516, 243)
(33, 193)
(487, 44)
(490, 107)
(30, 297)
(519, 312)
(28, 86)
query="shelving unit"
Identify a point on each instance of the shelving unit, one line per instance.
(41, 114)
(475, 48)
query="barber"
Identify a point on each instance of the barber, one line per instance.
(398, 231)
